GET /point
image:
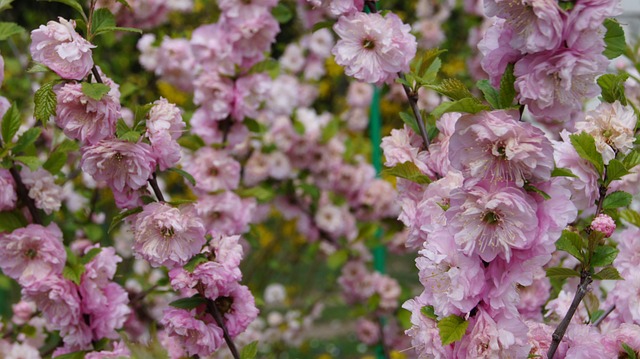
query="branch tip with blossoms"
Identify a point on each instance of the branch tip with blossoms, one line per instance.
(213, 309)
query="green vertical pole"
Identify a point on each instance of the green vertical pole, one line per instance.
(375, 135)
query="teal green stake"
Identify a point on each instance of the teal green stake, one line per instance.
(375, 135)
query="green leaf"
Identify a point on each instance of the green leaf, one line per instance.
(571, 243)
(614, 39)
(467, 105)
(530, 188)
(249, 351)
(36, 67)
(490, 94)
(337, 259)
(452, 88)
(262, 193)
(617, 199)
(254, 126)
(507, 89)
(179, 202)
(585, 145)
(323, 25)
(93, 252)
(195, 261)
(429, 312)
(31, 161)
(630, 216)
(73, 272)
(282, 13)
(631, 354)
(560, 272)
(28, 138)
(95, 90)
(408, 170)
(5, 5)
(130, 136)
(125, 3)
(184, 174)
(55, 162)
(8, 29)
(562, 172)
(74, 355)
(452, 329)
(603, 256)
(330, 130)
(615, 170)
(608, 273)
(410, 120)
(631, 160)
(613, 87)
(429, 65)
(117, 28)
(10, 123)
(75, 4)
(121, 216)
(102, 18)
(121, 127)
(595, 315)
(11, 220)
(189, 303)
(45, 102)
(67, 146)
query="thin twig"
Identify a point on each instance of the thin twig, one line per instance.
(558, 334)
(412, 96)
(96, 74)
(603, 316)
(23, 194)
(212, 308)
(156, 189)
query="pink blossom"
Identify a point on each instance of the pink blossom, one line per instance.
(32, 253)
(492, 222)
(359, 94)
(215, 94)
(249, 93)
(107, 307)
(119, 350)
(165, 117)
(238, 308)
(23, 311)
(84, 118)
(176, 63)
(373, 48)
(537, 24)
(235, 7)
(590, 14)
(8, 196)
(59, 47)
(367, 331)
(321, 43)
(584, 188)
(533, 297)
(197, 336)
(251, 32)
(625, 297)
(166, 150)
(540, 338)
(629, 245)
(494, 335)
(226, 213)
(555, 83)
(438, 160)
(605, 224)
(20, 351)
(403, 145)
(121, 164)
(495, 146)
(167, 236)
(584, 342)
(212, 47)
(213, 170)
(452, 281)
(424, 333)
(612, 126)
(628, 334)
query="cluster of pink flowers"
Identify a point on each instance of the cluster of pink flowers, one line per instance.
(557, 53)
(144, 14)
(88, 311)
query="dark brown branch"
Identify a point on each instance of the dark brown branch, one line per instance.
(212, 308)
(558, 334)
(604, 316)
(23, 194)
(156, 189)
(96, 74)
(412, 96)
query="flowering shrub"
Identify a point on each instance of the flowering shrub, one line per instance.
(194, 179)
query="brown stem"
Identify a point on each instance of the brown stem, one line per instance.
(96, 74)
(604, 315)
(212, 308)
(23, 194)
(156, 189)
(558, 334)
(412, 96)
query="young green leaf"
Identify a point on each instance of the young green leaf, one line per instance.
(631, 354)
(562, 172)
(615, 170)
(467, 105)
(11, 220)
(507, 89)
(184, 174)
(189, 303)
(408, 170)
(195, 261)
(571, 243)
(249, 351)
(603, 256)
(585, 145)
(617, 199)
(337, 259)
(31, 161)
(10, 123)
(121, 216)
(263, 193)
(613, 87)
(630, 216)
(429, 312)
(55, 162)
(95, 90)
(45, 102)
(614, 39)
(410, 120)
(93, 252)
(282, 13)
(8, 29)
(560, 272)
(28, 138)
(490, 94)
(631, 160)
(102, 18)
(452, 329)
(452, 88)
(608, 273)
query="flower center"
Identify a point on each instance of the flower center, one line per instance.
(167, 232)
(368, 44)
(30, 253)
(490, 218)
(224, 304)
(118, 156)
